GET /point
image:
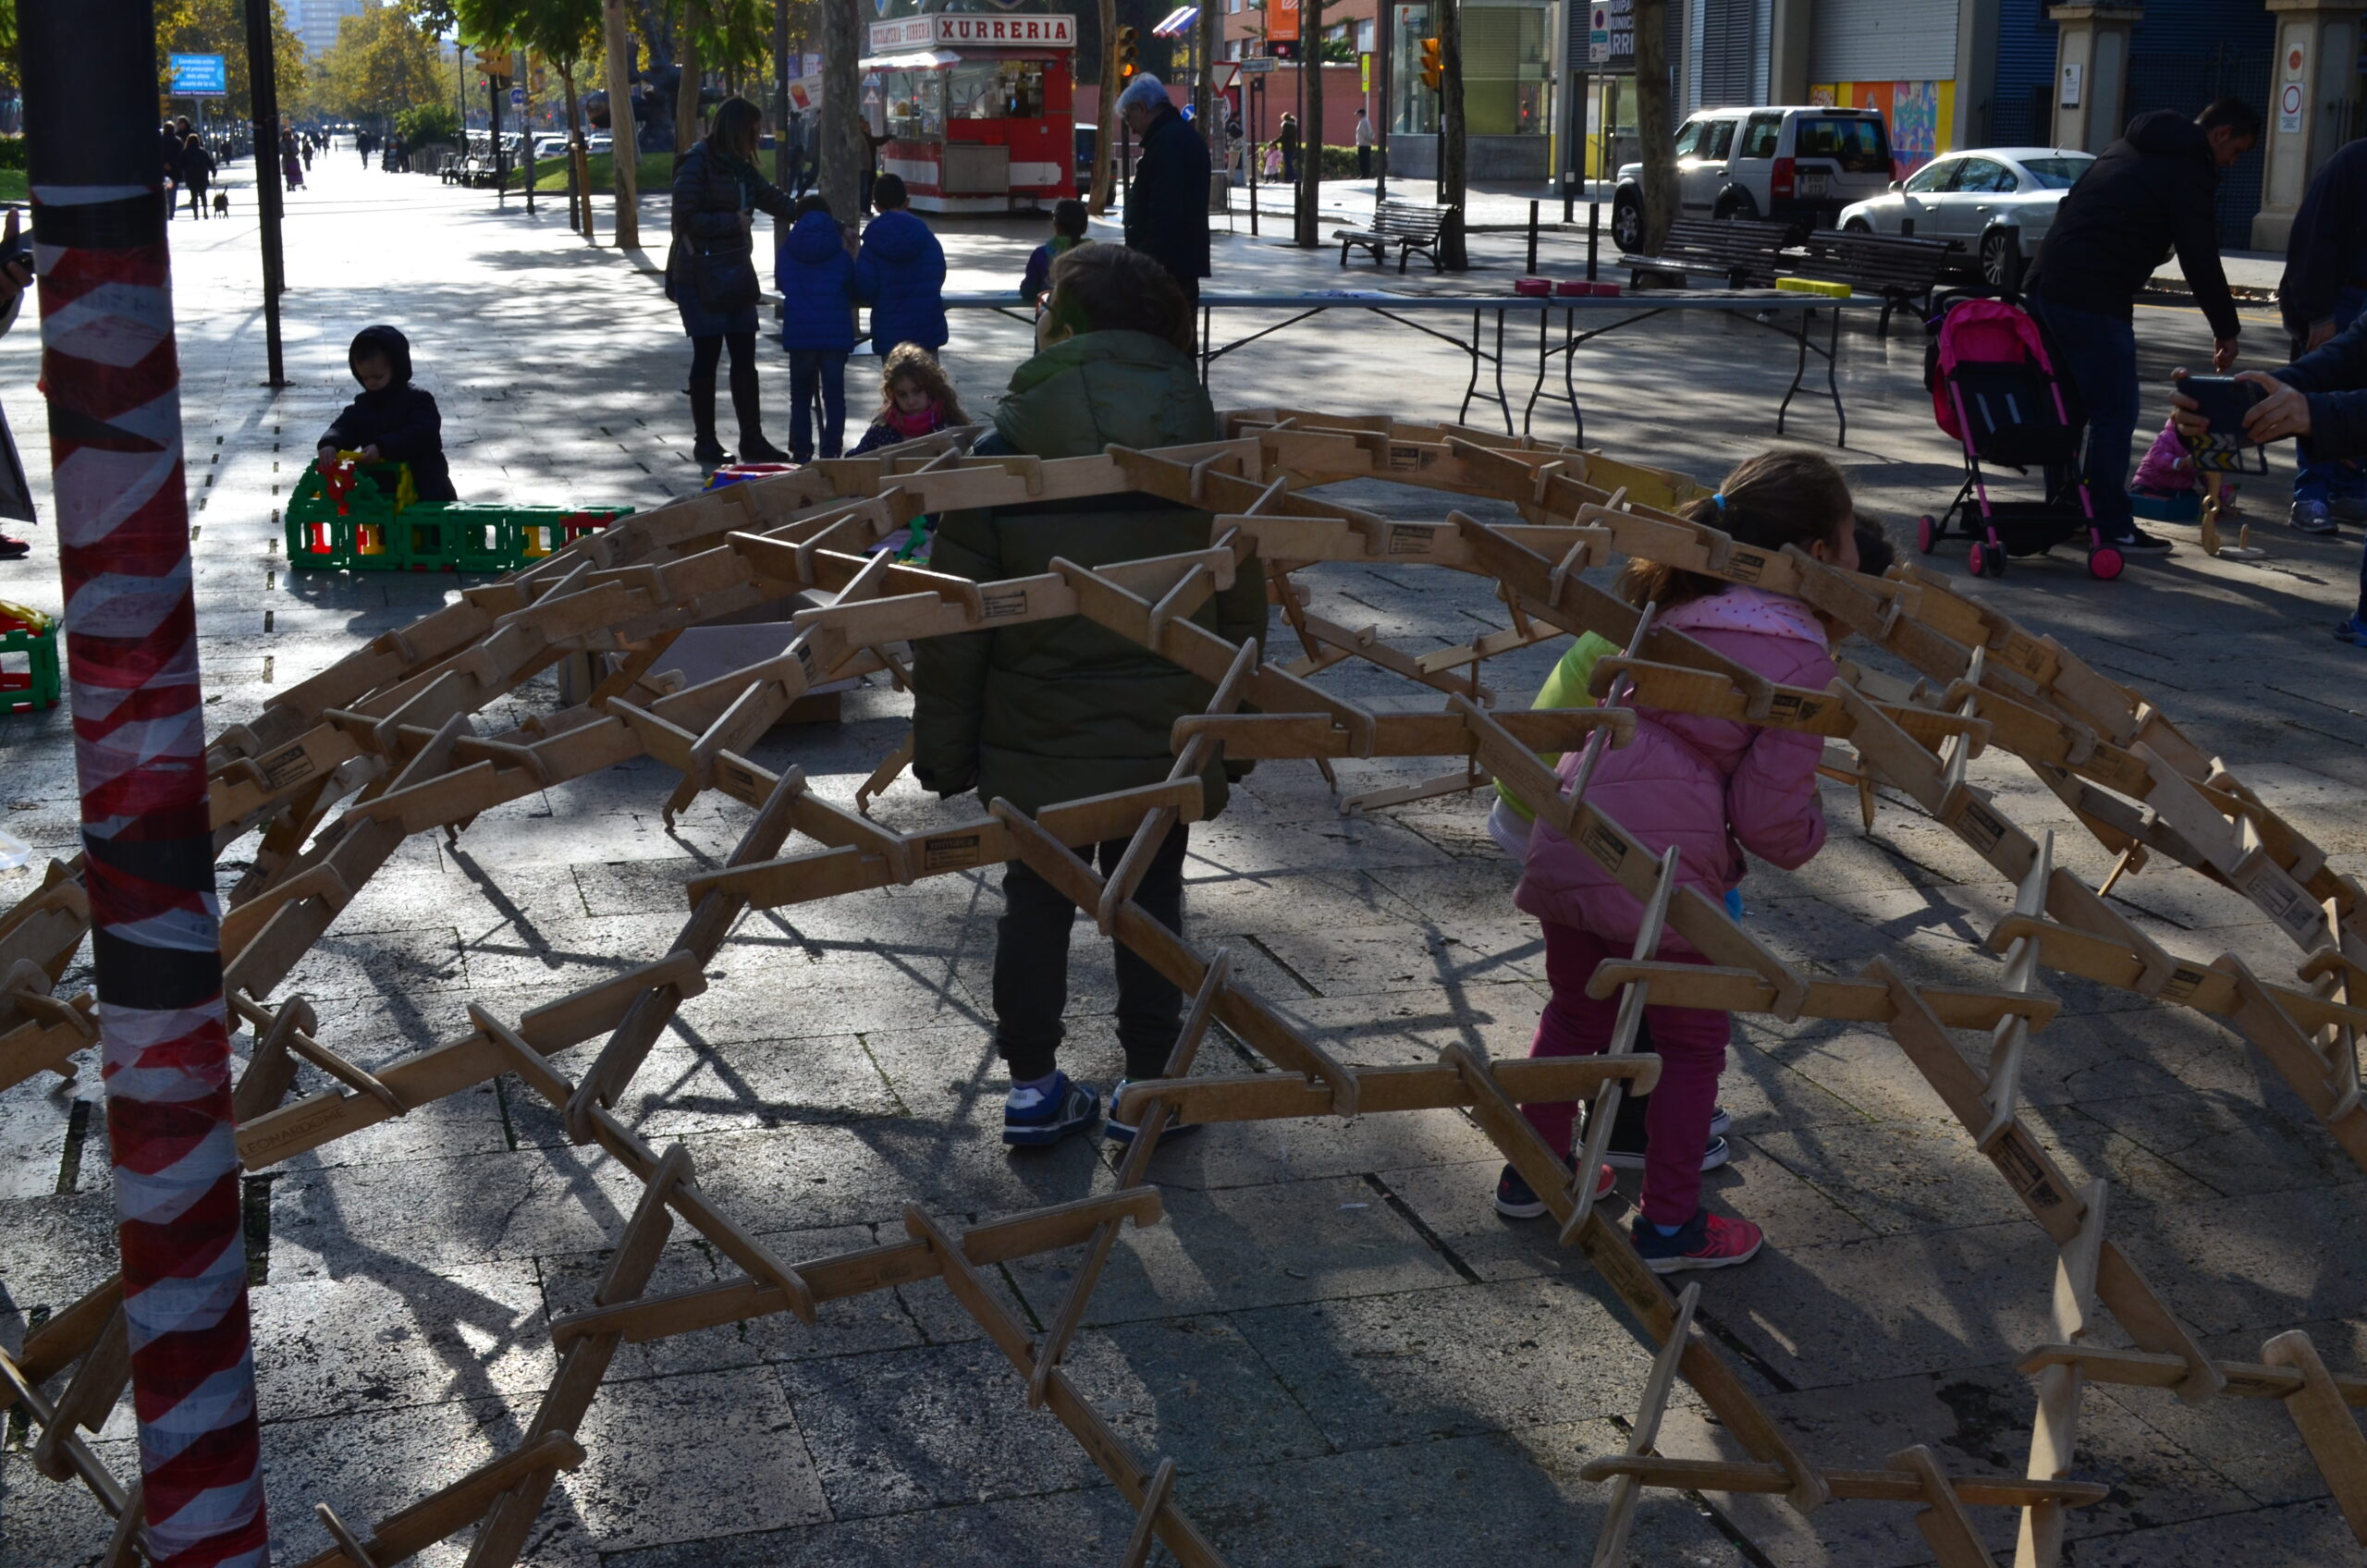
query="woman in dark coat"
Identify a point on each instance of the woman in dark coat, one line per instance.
(196, 173)
(711, 275)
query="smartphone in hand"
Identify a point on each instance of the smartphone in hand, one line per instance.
(2224, 400)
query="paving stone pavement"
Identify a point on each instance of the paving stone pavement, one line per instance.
(1351, 1359)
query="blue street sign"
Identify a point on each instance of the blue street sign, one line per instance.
(201, 75)
(517, 97)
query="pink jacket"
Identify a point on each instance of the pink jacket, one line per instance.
(1712, 787)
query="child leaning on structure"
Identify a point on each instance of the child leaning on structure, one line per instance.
(1062, 709)
(391, 421)
(1711, 788)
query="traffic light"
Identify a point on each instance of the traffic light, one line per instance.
(494, 65)
(1126, 67)
(1433, 68)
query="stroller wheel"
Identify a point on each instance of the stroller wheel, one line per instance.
(2104, 563)
(1976, 560)
(1995, 558)
(1927, 534)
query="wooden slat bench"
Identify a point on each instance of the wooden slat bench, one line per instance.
(1409, 226)
(1901, 268)
(1739, 252)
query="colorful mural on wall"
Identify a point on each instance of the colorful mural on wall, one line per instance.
(1919, 114)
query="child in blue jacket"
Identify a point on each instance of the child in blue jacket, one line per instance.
(901, 273)
(1067, 233)
(817, 279)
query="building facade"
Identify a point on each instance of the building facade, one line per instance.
(316, 22)
(1549, 96)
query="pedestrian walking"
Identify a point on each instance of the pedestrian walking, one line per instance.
(197, 173)
(901, 273)
(291, 158)
(1063, 709)
(2323, 292)
(2151, 191)
(1365, 140)
(817, 280)
(16, 494)
(1287, 140)
(711, 275)
(1167, 205)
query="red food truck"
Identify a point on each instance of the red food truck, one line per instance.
(976, 109)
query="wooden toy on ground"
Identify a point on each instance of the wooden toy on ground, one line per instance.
(337, 770)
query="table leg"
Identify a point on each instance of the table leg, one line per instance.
(1569, 372)
(1471, 387)
(1832, 375)
(1503, 401)
(1799, 371)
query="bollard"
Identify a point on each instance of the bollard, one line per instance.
(1594, 236)
(1532, 239)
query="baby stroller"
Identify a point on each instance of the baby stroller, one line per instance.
(1994, 388)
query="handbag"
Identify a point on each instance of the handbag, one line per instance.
(726, 277)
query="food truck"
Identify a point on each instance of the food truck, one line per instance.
(976, 109)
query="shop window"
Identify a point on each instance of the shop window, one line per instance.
(997, 90)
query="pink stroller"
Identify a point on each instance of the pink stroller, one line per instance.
(1994, 388)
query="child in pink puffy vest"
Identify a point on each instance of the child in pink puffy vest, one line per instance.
(1713, 788)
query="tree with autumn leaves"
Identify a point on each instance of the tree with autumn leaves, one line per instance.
(382, 63)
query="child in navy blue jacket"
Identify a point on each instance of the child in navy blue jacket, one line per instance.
(817, 279)
(1067, 233)
(392, 422)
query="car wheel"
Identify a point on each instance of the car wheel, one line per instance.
(1999, 259)
(1856, 226)
(1734, 204)
(1628, 222)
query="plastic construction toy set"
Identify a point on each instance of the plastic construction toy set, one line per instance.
(29, 677)
(352, 516)
(337, 771)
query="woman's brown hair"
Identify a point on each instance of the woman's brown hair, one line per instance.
(1771, 500)
(910, 361)
(738, 123)
(1112, 289)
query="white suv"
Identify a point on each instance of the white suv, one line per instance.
(1796, 165)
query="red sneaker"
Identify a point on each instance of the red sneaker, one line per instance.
(1706, 1241)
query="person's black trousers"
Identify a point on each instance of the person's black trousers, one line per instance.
(1031, 967)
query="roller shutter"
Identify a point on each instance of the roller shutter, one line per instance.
(2024, 114)
(1727, 62)
(1883, 40)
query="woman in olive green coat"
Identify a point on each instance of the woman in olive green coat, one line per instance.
(1059, 710)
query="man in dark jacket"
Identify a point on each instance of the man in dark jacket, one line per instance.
(1059, 710)
(2323, 292)
(1167, 205)
(2153, 190)
(2322, 397)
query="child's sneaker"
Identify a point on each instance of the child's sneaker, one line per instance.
(1515, 1199)
(1628, 1140)
(2353, 630)
(1033, 1117)
(1119, 1132)
(1706, 1241)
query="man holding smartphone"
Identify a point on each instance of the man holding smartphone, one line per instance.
(2153, 189)
(2322, 397)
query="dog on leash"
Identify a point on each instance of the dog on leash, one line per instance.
(221, 203)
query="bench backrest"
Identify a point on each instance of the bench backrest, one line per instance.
(1902, 262)
(1743, 250)
(1412, 220)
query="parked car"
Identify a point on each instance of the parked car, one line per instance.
(599, 142)
(551, 144)
(1981, 200)
(1801, 165)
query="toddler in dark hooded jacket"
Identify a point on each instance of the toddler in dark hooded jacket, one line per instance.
(392, 420)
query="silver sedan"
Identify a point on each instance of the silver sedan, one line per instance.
(1980, 200)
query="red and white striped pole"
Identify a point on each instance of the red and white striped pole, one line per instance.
(112, 376)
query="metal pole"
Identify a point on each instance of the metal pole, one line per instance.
(111, 373)
(1255, 108)
(500, 163)
(524, 66)
(1385, 45)
(263, 90)
(1594, 237)
(1532, 238)
(781, 93)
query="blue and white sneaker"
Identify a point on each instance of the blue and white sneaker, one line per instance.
(1119, 1132)
(1035, 1117)
(2353, 630)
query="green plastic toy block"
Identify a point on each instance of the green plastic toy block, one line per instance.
(35, 642)
(373, 527)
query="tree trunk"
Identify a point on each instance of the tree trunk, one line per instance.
(623, 138)
(686, 96)
(844, 154)
(1205, 112)
(579, 201)
(1105, 136)
(1452, 182)
(1310, 140)
(1654, 125)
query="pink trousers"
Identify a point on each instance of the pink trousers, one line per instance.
(1692, 1047)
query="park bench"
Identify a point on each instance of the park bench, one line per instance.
(1409, 226)
(1741, 252)
(1901, 268)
